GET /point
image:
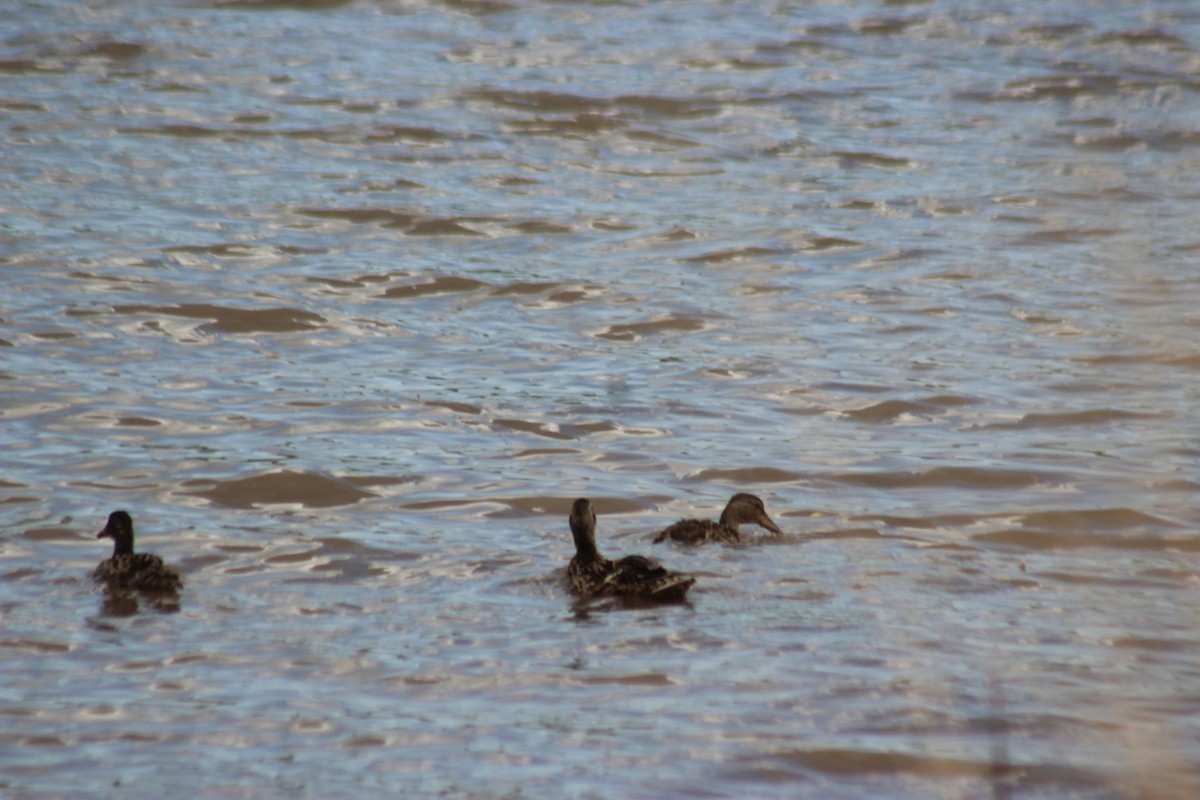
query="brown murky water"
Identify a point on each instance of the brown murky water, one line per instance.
(347, 301)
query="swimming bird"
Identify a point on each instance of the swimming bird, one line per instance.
(631, 578)
(129, 570)
(741, 508)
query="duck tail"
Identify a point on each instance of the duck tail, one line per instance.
(672, 588)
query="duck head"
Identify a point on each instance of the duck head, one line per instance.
(120, 530)
(747, 508)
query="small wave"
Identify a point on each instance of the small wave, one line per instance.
(52, 535)
(25, 66)
(549, 430)
(222, 249)
(236, 320)
(1044, 539)
(34, 645)
(972, 477)
(116, 51)
(178, 130)
(873, 159)
(285, 487)
(535, 505)
(441, 227)
(747, 476)
(526, 287)
(1152, 37)
(363, 216)
(444, 284)
(1098, 416)
(459, 408)
(1154, 644)
(1056, 87)
(890, 411)
(635, 679)
(585, 124)
(845, 762)
(412, 134)
(634, 331)
(735, 255)
(849, 533)
(286, 5)
(138, 422)
(1091, 519)
(540, 227)
(567, 102)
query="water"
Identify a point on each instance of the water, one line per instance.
(347, 301)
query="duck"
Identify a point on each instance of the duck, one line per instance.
(633, 577)
(127, 569)
(740, 509)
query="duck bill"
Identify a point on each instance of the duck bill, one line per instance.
(766, 522)
(104, 533)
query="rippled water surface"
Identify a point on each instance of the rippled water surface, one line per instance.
(347, 301)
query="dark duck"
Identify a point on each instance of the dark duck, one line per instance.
(127, 569)
(742, 508)
(630, 578)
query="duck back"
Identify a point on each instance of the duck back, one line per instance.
(143, 571)
(698, 531)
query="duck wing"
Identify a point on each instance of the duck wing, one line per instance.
(645, 578)
(587, 577)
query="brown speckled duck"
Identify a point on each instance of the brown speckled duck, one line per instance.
(630, 578)
(129, 570)
(741, 508)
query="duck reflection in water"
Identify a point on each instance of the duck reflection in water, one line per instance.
(124, 603)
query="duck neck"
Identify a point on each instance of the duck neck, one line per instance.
(123, 545)
(585, 549)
